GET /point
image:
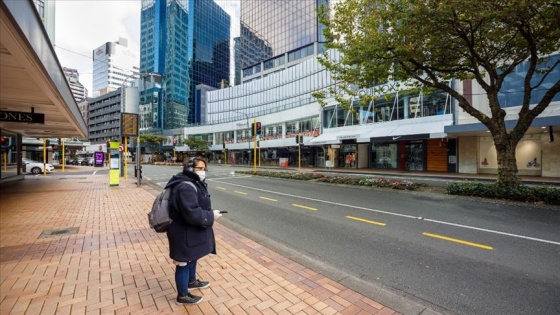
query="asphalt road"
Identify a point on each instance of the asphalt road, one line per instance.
(456, 255)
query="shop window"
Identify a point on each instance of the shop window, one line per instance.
(384, 155)
(414, 155)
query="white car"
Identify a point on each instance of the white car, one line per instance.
(34, 167)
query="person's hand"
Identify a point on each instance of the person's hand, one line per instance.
(217, 214)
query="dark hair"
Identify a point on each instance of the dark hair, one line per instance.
(188, 165)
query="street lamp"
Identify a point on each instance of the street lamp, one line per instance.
(248, 142)
(124, 169)
(141, 76)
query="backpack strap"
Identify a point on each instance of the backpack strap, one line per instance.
(186, 182)
(191, 183)
(172, 193)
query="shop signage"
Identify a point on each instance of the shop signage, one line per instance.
(401, 138)
(22, 117)
(347, 137)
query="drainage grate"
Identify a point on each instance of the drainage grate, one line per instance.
(60, 232)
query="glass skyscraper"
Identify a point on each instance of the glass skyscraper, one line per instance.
(186, 42)
(274, 33)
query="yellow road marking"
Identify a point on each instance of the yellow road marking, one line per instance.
(458, 241)
(222, 188)
(239, 192)
(270, 199)
(304, 207)
(364, 220)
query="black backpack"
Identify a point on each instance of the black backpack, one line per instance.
(158, 217)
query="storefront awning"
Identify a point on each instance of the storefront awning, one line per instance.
(417, 130)
(337, 135)
(35, 97)
(337, 138)
(428, 127)
(326, 138)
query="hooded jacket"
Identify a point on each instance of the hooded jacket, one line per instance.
(190, 234)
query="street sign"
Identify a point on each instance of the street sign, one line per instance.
(129, 124)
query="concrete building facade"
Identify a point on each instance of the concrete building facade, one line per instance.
(105, 111)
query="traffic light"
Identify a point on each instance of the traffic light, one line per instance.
(297, 138)
(174, 142)
(253, 131)
(259, 128)
(48, 142)
(4, 142)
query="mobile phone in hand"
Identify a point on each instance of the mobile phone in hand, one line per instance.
(223, 211)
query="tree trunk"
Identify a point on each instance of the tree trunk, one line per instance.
(507, 164)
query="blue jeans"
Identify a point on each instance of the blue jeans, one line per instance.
(184, 275)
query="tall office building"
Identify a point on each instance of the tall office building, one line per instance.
(78, 90)
(186, 42)
(276, 33)
(114, 66)
(46, 10)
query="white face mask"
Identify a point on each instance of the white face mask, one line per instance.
(201, 174)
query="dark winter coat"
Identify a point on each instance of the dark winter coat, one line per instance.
(190, 235)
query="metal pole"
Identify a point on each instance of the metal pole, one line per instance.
(63, 155)
(254, 145)
(125, 158)
(299, 149)
(248, 141)
(44, 157)
(138, 165)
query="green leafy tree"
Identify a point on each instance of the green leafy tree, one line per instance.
(153, 142)
(424, 44)
(195, 143)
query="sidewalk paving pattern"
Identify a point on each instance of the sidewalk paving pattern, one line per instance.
(74, 245)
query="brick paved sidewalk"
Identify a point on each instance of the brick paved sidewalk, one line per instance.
(74, 245)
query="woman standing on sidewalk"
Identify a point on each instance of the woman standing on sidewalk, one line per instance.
(190, 236)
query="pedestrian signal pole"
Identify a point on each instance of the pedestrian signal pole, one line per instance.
(299, 150)
(255, 145)
(125, 158)
(45, 157)
(63, 155)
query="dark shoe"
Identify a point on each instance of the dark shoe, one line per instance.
(197, 284)
(189, 299)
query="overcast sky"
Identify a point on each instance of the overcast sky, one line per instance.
(83, 25)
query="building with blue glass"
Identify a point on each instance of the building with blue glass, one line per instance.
(420, 131)
(186, 43)
(275, 35)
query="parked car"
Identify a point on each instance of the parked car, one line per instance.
(35, 167)
(90, 161)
